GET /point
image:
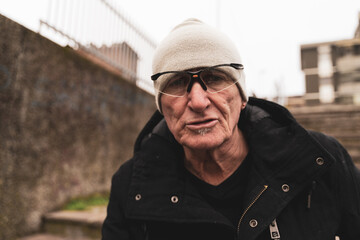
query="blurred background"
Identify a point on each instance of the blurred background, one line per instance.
(75, 90)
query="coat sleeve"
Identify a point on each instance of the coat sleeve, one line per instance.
(349, 190)
(115, 226)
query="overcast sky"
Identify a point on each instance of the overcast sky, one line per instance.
(267, 33)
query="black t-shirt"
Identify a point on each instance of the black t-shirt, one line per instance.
(227, 197)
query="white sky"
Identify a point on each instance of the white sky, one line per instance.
(267, 33)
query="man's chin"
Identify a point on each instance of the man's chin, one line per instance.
(201, 141)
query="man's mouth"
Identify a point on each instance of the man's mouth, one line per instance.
(199, 124)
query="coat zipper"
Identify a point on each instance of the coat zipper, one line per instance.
(251, 204)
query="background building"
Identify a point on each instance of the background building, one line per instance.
(332, 71)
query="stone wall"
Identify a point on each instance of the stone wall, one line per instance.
(66, 125)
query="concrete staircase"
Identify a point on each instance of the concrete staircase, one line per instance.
(71, 225)
(339, 121)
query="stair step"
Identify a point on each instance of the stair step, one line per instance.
(355, 157)
(357, 165)
(340, 121)
(75, 224)
(44, 236)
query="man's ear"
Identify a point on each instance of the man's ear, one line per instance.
(243, 105)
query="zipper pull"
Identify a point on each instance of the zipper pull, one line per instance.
(313, 185)
(144, 228)
(274, 230)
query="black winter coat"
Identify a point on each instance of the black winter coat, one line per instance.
(305, 180)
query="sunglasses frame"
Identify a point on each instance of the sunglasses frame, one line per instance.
(195, 76)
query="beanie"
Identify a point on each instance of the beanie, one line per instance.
(194, 44)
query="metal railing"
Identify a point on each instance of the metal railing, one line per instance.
(100, 29)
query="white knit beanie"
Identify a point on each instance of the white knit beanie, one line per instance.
(194, 44)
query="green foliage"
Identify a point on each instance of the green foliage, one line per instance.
(87, 202)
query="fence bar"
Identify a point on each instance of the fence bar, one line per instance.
(101, 29)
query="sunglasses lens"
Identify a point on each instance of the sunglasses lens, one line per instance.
(218, 78)
(176, 83)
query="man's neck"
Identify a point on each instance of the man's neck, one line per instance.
(216, 165)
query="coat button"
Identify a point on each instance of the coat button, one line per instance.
(253, 223)
(285, 188)
(138, 197)
(319, 161)
(174, 199)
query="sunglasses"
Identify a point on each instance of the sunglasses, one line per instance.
(212, 79)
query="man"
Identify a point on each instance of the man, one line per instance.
(213, 164)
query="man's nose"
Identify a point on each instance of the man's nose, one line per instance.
(198, 99)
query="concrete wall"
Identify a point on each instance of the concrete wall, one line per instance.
(66, 125)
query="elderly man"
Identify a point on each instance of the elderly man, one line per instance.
(213, 164)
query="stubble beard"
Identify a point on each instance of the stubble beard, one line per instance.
(203, 131)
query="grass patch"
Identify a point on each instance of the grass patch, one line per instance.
(86, 203)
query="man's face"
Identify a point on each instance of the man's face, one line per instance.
(201, 120)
